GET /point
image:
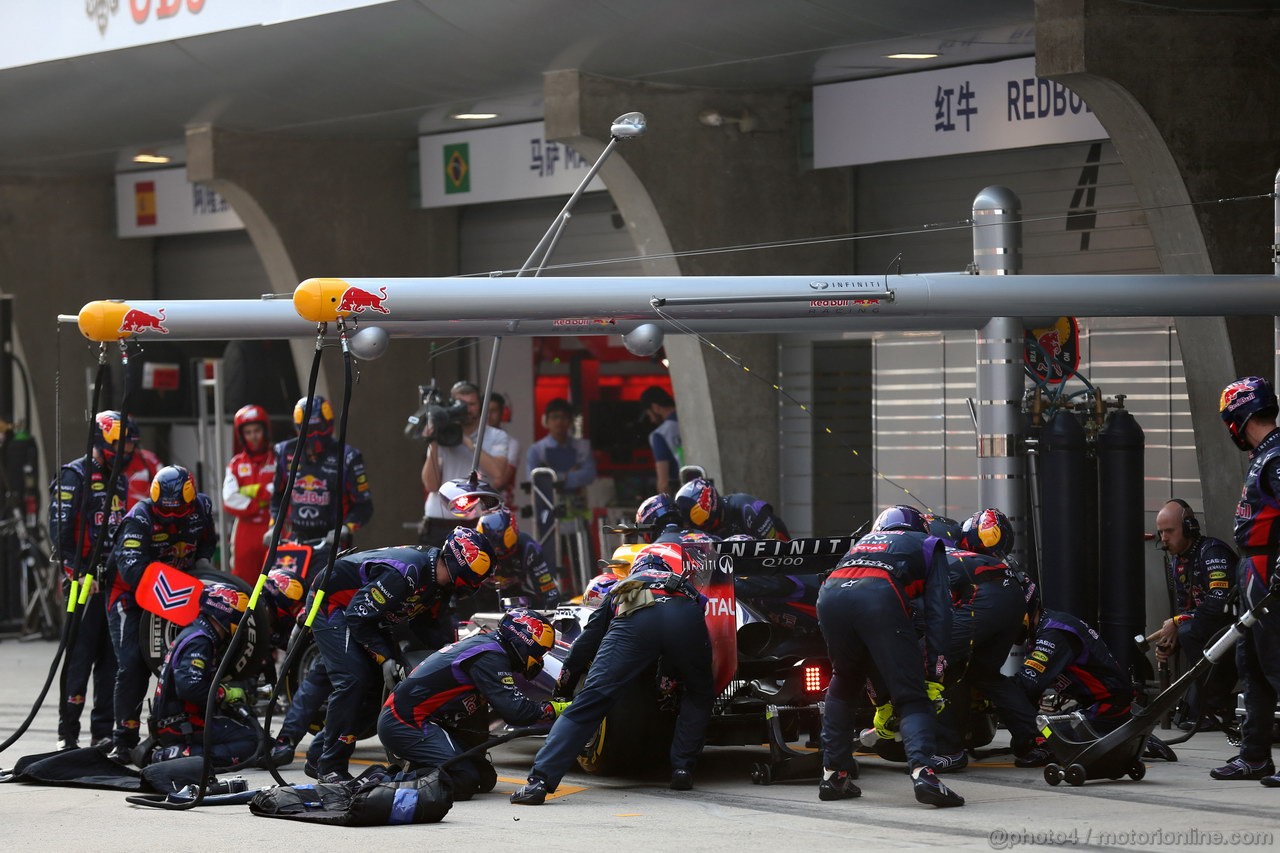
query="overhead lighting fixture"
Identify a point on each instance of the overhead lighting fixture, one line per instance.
(474, 116)
(150, 157)
(911, 56)
(745, 122)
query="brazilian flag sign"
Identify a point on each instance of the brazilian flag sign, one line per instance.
(457, 169)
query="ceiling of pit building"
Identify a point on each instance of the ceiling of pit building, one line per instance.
(401, 68)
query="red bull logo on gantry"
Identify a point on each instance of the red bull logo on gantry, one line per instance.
(135, 322)
(355, 300)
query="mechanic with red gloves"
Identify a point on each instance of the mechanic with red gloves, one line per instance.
(365, 592)
(174, 526)
(441, 708)
(654, 612)
(986, 620)
(186, 679)
(521, 570)
(316, 489)
(78, 503)
(702, 508)
(865, 619)
(246, 491)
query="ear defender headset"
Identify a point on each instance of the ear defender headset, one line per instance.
(1190, 524)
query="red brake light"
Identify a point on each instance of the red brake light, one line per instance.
(816, 677)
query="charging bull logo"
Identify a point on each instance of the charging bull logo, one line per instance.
(989, 528)
(311, 490)
(1237, 394)
(135, 322)
(1053, 353)
(540, 632)
(355, 300)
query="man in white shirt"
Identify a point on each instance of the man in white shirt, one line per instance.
(452, 463)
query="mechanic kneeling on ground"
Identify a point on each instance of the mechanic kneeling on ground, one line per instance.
(186, 679)
(365, 592)
(655, 612)
(425, 719)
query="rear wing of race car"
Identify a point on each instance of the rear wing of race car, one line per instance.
(761, 557)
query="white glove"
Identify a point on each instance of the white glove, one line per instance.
(392, 673)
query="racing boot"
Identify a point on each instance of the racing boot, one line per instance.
(1271, 781)
(335, 777)
(532, 793)
(67, 743)
(1158, 749)
(949, 763)
(1239, 769)
(1037, 756)
(931, 791)
(281, 755)
(837, 785)
(681, 779)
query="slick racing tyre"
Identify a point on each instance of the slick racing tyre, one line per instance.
(157, 634)
(634, 737)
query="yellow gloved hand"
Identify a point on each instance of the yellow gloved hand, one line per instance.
(250, 490)
(881, 722)
(934, 689)
(559, 707)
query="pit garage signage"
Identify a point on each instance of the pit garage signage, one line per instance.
(498, 164)
(962, 110)
(162, 201)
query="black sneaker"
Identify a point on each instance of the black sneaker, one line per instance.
(931, 791)
(1037, 756)
(103, 744)
(1158, 749)
(282, 753)
(310, 770)
(335, 777)
(681, 780)
(532, 793)
(1239, 769)
(949, 763)
(121, 754)
(1271, 781)
(838, 785)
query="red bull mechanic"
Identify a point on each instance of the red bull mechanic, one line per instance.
(703, 508)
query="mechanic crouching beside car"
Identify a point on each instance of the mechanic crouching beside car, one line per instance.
(655, 612)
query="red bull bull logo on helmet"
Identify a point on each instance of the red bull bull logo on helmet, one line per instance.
(541, 633)
(355, 300)
(1237, 394)
(135, 322)
(1053, 352)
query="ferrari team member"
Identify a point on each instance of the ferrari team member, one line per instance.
(78, 502)
(1248, 407)
(246, 490)
(865, 618)
(986, 620)
(365, 593)
(174, 526)
(521, 569)
(654, 612)
(1199, 577)
(703, 508)
(316, 490)
(187, 678)
(430, 716)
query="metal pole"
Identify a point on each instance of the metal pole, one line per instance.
(997, 251)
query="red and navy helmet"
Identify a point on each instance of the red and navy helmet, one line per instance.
(598, 588)
(285, 590)
(321, 420)
(901, 518)
(108, 428)
(251, 414)
(662, 558)
(658, 511)
(500, 528)
(699, 504)
(468, 556)
(222, 604)
(699, 536)
(527, 637)
(1241, 400)
(988, 532)
(173, 492)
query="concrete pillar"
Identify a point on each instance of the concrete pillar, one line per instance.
(685, 187)
(59, 250)
(318, 207)
(1195, 115)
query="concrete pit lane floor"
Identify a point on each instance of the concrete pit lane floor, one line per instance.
(1176, 807)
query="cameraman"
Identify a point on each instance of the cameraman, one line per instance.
(453, 462)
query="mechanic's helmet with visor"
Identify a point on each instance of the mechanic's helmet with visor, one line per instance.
(598, 588)
(468, 557)
(108, 427)
(623, 556)
(663, 558)
(657, 512)
(987, 532)
(1241, 400)
(222, 604)
(252, 414)
(699, 504)
(173, 492)
(321, 420)
(285, 590)
(527, 637)
(900, 518)
(500, 528)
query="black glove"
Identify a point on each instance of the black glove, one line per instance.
(564, 685)
(204, 564)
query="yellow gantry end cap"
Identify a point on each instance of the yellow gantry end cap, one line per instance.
(318, 300)
(101, 321)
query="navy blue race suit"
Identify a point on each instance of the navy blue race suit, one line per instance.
(524, 574)
(865, 618)
(986, 620)
(1069, 656)
(74, 527)
(1201, 579)
(365, 593)
(1257, 534)
(741, 513)
(619, 643)
(430, 716)
(182, 697)
(147, 537)
(316, 488)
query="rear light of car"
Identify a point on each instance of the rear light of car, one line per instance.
(816, 677)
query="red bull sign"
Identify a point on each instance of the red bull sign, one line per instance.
(135, 322)
(355, 299)
(1052, 353)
